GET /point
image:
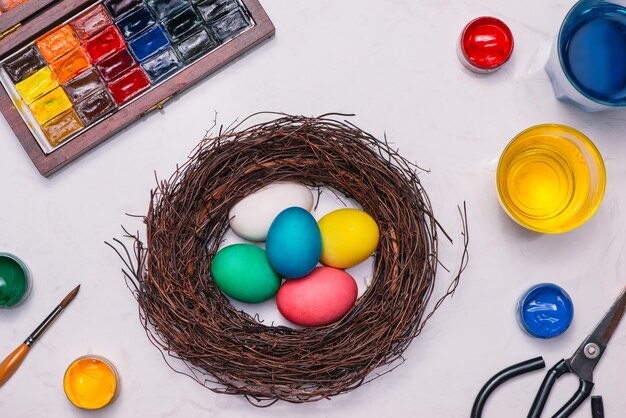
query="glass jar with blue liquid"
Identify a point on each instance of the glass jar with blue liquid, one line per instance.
(587, 65)
(545, 311)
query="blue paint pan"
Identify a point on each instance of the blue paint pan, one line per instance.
(545, 311)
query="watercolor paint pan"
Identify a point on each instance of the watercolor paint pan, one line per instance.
(82, 70)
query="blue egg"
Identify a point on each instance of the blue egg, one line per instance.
(597, 57)
(294, 243)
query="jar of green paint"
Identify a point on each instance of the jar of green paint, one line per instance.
(15, 281)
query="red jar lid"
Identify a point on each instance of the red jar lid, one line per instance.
(486, 44)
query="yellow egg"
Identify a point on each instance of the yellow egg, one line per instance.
(349, 237)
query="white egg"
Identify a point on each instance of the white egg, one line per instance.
(251, 217)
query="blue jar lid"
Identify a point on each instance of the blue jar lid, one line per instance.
(545, 311)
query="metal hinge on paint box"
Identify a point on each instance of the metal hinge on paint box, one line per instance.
(158, 106)
(79, 71)
(9, 31)
(15, 12)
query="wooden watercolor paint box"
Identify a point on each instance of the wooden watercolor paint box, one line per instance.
(74, 72)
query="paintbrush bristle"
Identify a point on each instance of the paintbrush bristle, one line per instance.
(69, 297)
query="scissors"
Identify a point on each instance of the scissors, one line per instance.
(581, 363)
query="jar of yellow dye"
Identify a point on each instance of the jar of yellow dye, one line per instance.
(551, 178)
(91, 382)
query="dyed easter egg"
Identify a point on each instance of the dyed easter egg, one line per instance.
(293, 243)
(597, 57)
(242, 272)
(349, 237)
(319, 298)
(252, 216)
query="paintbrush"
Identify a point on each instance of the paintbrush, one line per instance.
(13, 360)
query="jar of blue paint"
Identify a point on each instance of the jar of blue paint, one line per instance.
(545, 311)
(587, 65)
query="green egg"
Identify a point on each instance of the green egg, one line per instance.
(242, 272)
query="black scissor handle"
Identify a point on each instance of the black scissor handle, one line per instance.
(501, 377)
(583, 392)
(554, 373)
(597, 407)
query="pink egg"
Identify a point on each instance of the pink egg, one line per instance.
(319, 298)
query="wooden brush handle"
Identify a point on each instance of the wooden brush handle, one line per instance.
(12, 362)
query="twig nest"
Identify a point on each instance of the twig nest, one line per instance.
(228, 351)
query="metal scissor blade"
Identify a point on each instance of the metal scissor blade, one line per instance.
(591, 350)
(605, 329)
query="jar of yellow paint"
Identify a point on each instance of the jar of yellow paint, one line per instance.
(91, 382)
(551, 178)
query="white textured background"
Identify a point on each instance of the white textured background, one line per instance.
(392, 63)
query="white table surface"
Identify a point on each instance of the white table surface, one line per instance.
(392, 63)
